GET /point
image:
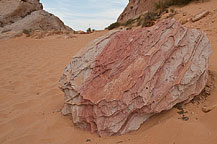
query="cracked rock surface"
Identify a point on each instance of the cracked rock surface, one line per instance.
(123, 78)
(19, 15)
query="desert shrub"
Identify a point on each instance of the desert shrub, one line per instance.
(89, 30)
(128, 22)
(179, 2)
(172, 10)
(151, 16)
(140, 20)
(163, 5)
(27, 32)
(113, 25)
(148, 19)
(147, 23)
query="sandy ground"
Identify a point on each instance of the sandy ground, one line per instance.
(30, 100)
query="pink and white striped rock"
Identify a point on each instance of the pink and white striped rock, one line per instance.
(121, 79)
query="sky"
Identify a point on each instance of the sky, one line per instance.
(82, 14)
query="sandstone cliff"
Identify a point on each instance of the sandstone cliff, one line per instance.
(136, 8)
(19, 15)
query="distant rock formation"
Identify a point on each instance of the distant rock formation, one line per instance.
(19, 15)
(135, 8)
(123, 78)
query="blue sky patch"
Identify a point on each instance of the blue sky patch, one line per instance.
(80, 15)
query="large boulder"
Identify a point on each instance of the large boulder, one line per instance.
(123, 78)
(19, 15)
(14, 10)
(37, 20)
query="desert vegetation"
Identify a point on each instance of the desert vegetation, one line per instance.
(27, 32)
(148, 19)
(163, 5)
(113, 26)
(89, 30)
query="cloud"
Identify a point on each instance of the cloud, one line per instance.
(80, 15)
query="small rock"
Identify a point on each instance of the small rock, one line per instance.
(184, 14)
(88, 140)
(189, 19)
(183, 21)
(200, 16)
(185, 118)
(58, 110)
(208, 109)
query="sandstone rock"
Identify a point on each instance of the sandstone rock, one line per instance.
(208, 109)
(19, 15)
(14, 10)
(135, 8)
(184, 20)
(121, 79)
(200, 16)
(37, 20)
